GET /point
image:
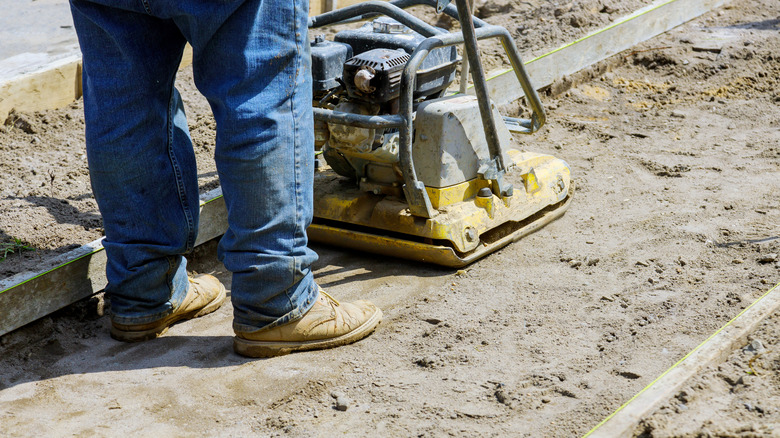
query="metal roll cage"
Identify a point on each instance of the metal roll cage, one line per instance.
(472, 29)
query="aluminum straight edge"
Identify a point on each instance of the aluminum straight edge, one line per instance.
(713, 350)
(622, 34)
(81, 273)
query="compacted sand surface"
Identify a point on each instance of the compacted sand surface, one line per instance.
(674, 228)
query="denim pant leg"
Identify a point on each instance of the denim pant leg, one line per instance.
(255, 71)
(141, 161)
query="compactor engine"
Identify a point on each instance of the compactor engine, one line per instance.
(413, 169)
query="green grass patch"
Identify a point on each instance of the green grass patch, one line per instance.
(14, 246)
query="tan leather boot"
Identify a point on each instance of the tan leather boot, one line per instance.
(327, 324)
(206, 294)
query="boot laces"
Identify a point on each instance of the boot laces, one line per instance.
(194, 287)
(329, 297)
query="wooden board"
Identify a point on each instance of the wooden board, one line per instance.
(35, 82)
(712, 351)
(38, 82)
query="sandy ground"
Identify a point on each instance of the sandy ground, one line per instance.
(675, 227)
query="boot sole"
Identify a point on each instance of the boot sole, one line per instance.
(160, 329)
(248, 348)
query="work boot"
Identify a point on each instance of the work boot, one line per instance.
(205, 295)
(327, 324)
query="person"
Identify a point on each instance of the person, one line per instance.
(251, 61)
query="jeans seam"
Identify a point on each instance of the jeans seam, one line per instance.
(178, 176)
(169, 274)
(147, 7)
(169, 278)
(295, 314)
(297, 146)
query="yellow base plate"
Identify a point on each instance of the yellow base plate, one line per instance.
(428, 252)
(466, 228)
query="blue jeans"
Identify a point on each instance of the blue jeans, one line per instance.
(251, 61)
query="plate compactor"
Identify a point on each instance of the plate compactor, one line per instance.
(412, 170)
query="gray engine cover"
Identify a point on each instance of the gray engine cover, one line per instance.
(450, 140)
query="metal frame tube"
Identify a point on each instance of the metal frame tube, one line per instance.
(359, 120)
(375, 7)
(480, 86)
(538, 116)
(450, 10)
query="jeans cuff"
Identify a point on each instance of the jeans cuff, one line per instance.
(180, 291)
(293, 315)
